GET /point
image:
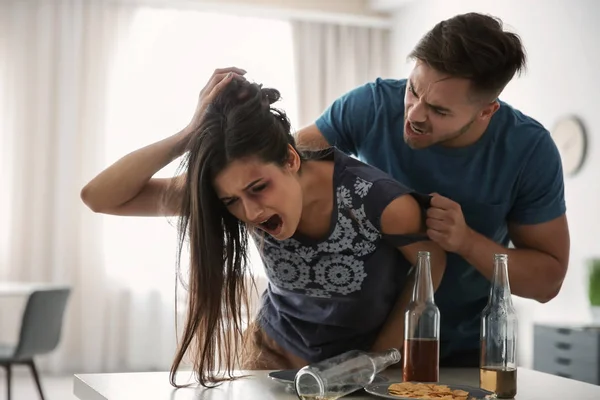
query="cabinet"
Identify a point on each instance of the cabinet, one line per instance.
(569, 351)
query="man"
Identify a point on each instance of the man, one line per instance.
(495, 173)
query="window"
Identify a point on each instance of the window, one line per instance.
(156, 78)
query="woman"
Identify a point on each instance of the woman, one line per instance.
(329, 228)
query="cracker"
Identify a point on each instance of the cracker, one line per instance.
(426, 391)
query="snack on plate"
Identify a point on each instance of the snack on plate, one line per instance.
(426, 391)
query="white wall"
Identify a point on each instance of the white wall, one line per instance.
(562, 38)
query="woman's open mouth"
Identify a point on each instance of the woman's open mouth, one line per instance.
(272, 225)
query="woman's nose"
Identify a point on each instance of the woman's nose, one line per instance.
(253, 211)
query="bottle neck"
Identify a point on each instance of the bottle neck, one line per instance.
(384, 359)
(500, 290)
(423, 290)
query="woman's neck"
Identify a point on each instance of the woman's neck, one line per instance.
(316, 180)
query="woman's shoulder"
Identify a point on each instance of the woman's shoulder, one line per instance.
(372, 191)
(363, 178)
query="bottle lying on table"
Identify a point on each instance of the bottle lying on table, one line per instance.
(343, 374)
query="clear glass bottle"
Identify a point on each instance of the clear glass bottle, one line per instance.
(498, 365)
(343, 374)
(422, 328)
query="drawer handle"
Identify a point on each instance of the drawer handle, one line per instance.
(563, 346)
(564, 331)
(563, 361)
(563, 375)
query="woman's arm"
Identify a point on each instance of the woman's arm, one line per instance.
(127, 186)
(403, 216)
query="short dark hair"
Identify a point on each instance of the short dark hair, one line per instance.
(473, 46)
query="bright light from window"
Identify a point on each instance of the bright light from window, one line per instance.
(157, 76)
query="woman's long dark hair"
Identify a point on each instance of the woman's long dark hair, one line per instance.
(240, 123)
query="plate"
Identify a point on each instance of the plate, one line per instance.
(284, 376)
(381, 390)
(287, 376)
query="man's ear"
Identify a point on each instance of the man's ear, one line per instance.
(486, 113)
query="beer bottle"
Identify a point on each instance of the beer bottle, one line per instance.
(422, 328)
(498, 365)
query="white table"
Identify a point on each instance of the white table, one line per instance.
(531, 385)
(24, 289)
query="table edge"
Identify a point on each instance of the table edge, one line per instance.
(84, 391)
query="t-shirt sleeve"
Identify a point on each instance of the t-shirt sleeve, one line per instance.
(381, 195)
(346, 123)
(540, 194)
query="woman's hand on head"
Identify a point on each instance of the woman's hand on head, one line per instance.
(217, 82)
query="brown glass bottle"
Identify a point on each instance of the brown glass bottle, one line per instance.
(421, 360)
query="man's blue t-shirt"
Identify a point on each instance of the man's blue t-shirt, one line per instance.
(512, 174)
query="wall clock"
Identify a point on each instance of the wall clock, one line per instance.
(570, 137)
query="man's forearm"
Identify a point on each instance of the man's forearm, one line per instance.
(532, 274)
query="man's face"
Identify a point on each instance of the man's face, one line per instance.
(439, 109)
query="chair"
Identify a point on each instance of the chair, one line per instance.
(40, 332)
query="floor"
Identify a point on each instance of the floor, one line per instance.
(23, 386)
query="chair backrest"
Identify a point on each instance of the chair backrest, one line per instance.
(42, 322)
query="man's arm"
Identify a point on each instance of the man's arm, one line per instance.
(404, 216)
(538, 264)
(537, 226)
(311, 138)
(344, 124)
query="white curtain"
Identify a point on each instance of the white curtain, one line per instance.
(82, 83)
(55, 58)
(332, 59)
(169, 56)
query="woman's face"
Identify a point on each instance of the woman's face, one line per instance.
(266, 196)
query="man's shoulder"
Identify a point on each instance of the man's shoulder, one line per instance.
(389, 83)
(519, 130)
(383, 91)
(390, 89)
